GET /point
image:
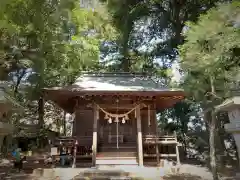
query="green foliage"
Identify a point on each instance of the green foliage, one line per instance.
(143, 23)
(48, 43)
(210, 50)
(213, 40)
(209, 58)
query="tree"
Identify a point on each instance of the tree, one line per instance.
(48, 43)
(208, 57)
(155, 25)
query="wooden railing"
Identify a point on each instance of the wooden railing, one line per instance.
(84, 151)
(165, 146)
(153, 139)
(83, 145)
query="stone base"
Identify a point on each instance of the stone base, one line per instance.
(238, 175)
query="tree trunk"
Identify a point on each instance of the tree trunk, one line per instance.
(184, 144)
(40, 120)
(213, 160)
(40, 112)
(127, 29)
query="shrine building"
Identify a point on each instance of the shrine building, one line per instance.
(115, 117)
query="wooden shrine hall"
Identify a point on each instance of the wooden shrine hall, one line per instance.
(115, 117)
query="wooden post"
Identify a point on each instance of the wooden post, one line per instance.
(139, 133)
(157, 151)
(177, 150)
(73, 128)
(75, 154)
(149, 120)
(94, 143)
(157, 136)
(64, 123)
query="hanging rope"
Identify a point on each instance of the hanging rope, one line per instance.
(117, 115)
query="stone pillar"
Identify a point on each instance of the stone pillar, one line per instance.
(232, 106)
(94, 143)
(139, 137)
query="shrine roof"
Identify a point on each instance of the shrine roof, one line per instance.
(111, 84)
(115, 82)
(229, 103)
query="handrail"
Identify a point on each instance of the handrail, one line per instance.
(159, 139)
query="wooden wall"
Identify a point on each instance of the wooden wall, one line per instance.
(146, 129)
(83, 125)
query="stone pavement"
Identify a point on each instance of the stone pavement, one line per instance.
(187, 172)
(131, 172)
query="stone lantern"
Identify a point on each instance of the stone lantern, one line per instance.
(232, 107)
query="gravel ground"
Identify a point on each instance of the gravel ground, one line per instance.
(186, 172)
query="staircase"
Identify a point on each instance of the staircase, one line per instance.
(125, 154)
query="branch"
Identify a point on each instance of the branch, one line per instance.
(213, 94)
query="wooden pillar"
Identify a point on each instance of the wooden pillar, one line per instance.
(157, 152)
(139, 134)
(94, 143)
(177, 150)
(75, 154)
(73, 124)
(64, 123)
(157, 136)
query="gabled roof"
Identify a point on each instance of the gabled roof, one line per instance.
(122, 84)
(115, 82)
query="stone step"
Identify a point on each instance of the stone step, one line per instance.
(116, 154)
(121, 148)
(98, 172)
(102, 178)
(116, 161)
(120, 144)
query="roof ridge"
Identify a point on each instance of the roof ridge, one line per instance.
(114, 74)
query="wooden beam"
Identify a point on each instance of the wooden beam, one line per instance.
(120, 107)
(139, 133)
(94, 145)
